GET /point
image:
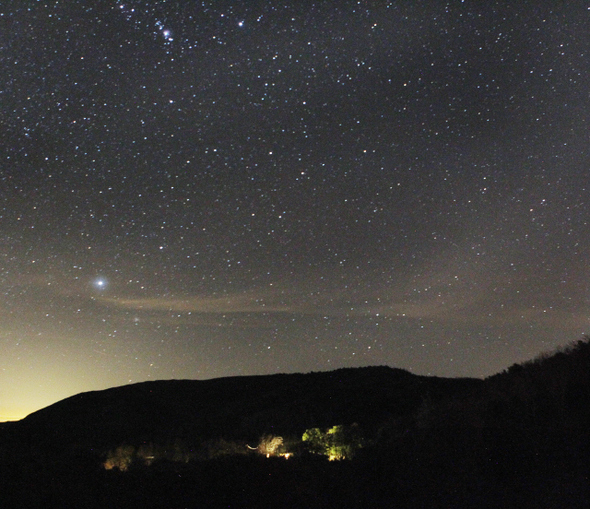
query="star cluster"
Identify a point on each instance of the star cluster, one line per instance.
(203, 189)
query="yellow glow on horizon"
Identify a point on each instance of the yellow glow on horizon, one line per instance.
(13, 415)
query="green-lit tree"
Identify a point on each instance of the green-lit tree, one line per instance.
(315, 440)
(338, 442)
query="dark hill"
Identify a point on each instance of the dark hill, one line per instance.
(517, 439)
(237, 407)
(550, 391)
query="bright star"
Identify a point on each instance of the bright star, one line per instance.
(100, 283)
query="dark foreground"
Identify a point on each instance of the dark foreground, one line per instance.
(447, 468)
(518, 439)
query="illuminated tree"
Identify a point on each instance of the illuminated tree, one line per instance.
(121, 458)
(270, 445)
(338, 442)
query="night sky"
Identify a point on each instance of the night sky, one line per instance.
(206, 189)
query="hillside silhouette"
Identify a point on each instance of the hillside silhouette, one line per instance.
(516, 439)
(239, 407)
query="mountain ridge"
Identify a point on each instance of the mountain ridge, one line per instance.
(240, 407)
(516, 439)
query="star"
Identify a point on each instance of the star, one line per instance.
(100, 283)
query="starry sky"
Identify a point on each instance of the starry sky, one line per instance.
(216, 188)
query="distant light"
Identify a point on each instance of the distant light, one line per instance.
(100, 283)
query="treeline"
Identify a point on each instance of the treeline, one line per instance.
(549, 391)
